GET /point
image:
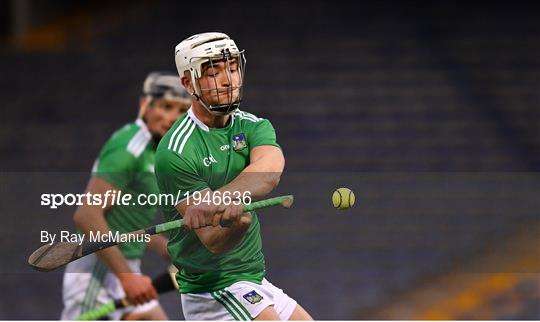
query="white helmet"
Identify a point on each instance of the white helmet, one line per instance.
(208, 47)
(166, 85)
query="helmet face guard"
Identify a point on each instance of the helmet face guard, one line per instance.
(206, 50)
(226, 102)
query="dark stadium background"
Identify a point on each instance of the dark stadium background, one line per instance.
(429, 111)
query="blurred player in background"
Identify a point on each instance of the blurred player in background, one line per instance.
(217, 150)
(126, 164)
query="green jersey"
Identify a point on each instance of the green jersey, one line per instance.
(127, 162)
(192, 157)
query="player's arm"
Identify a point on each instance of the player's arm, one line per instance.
(206, 220)
(266, 162)
(262, 175)
(158, 244)
(90, 217)
(177, 174)
(259, 178)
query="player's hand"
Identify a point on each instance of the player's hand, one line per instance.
(246, 219)
(243, 221)
(201, 215)
(228, 215)
(138, 287)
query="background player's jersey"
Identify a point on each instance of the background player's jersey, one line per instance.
(192, 157)
(127, 162)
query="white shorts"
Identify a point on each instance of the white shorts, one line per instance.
(89, 284)
(240, 301)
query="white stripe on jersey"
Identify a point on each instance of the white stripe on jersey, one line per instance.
(175, 132)
(141, 146)
(179, 136)
(247, 116)
(138, 143)
(130, 146)
(186, 138)
(196, 120)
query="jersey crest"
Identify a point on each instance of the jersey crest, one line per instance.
(239, 142)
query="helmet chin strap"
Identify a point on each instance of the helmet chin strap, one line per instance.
(224, 109)
(219, 110)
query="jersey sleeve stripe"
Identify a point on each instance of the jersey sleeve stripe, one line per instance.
(138, 143)
(176, 131)
(179, 136)
(131, 144)
(248, 116)
(140, 147)
(186, 138)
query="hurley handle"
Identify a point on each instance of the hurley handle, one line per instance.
(285, 201)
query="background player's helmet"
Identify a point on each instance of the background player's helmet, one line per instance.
(198, 49)
(165, 85)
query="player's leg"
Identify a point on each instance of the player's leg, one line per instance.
(268, 314)
(154, 313)
(299, 314)
(74, 288)
(285, 306)
(82, 288)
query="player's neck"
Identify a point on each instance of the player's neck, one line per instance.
(209, 119)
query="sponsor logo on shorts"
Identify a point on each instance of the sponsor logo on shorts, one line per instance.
(252, 297)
